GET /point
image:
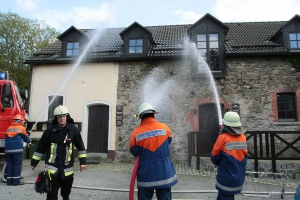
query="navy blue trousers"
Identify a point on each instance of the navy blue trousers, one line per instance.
(222, 196)
(161, 194)
(13, 168)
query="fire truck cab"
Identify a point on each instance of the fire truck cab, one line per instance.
(12, 102)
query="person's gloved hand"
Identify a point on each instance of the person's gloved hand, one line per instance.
(28, 133)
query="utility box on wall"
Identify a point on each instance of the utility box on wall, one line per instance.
(236, 108)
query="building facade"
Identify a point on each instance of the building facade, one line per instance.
(192, 74)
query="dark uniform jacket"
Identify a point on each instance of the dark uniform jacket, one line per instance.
(57, 145)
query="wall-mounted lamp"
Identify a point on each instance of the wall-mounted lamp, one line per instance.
(195, 111)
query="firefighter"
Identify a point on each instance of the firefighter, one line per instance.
(230, 155)
(57, 144)
(15, 135)
(151, 142)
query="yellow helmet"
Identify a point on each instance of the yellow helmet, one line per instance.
(60, 110)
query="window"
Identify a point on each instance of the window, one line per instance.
(52, 104)
(72, 48)
(136, 46)
(294, 40)
(7, 101)
(208, 48)
(286, 107)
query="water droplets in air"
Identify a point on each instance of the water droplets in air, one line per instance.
(156, 88)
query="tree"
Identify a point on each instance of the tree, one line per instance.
(20, 38)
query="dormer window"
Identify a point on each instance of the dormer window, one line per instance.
(72, 48)
(208, 48)
(136, 46)
(294, 40)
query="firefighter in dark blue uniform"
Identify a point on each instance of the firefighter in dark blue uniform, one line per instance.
(230, 155)
(15, 135)
(57, 144)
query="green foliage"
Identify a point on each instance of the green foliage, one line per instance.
(295, 61)
(20, 38)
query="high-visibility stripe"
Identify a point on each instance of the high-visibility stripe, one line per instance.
(81, 155)
(68, 152)
(13, 150)
(36, 157)
(38, 154)
(150, 134)
(229, 189)
(236, 145)
(52, 155)
(157, 183)
(52, 170)
(69, 171)
(82, 152)
(14, 130)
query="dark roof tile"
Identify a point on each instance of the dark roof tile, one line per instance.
(242, 37)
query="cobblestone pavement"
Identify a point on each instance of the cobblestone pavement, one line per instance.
(101, 181)
(183, 168)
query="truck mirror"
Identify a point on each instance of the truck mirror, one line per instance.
(24, 93)
(6, 89)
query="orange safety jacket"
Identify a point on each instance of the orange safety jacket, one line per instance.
(15, 135)
(230, 155)
(150, 141)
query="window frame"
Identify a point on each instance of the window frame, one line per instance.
(297, 40)
(72, 49)
(208, 57)
(285, 104)
(47, 104)
(135, 46)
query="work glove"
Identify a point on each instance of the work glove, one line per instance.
(28, 133)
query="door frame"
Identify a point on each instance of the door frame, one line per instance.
(86, 116)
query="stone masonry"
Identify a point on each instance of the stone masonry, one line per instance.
(251, 82)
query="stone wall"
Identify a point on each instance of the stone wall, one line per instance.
(251, 82)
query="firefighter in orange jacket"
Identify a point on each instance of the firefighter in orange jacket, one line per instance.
(230, 155)
(150, 141)
(15, 135)
(57, 144)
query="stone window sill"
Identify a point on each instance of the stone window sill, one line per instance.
(286, 123)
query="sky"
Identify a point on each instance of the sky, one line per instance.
(96, 14)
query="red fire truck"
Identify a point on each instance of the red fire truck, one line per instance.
(12, 102)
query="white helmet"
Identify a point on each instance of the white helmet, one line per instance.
(146, 108)
(232, 119)
(60, 110)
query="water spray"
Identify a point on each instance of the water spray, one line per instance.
(78, 61)
(192, 50)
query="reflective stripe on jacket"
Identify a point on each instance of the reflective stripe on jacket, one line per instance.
(150, 141)
(57, 146)
(230, 155)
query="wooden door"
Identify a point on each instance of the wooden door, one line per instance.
(208, 128)
(98, 129)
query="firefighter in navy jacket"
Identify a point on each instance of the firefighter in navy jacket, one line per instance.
(150, 141)
(57, 144)
(230, 155)
(15, 135)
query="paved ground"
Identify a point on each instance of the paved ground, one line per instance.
(111, 181)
